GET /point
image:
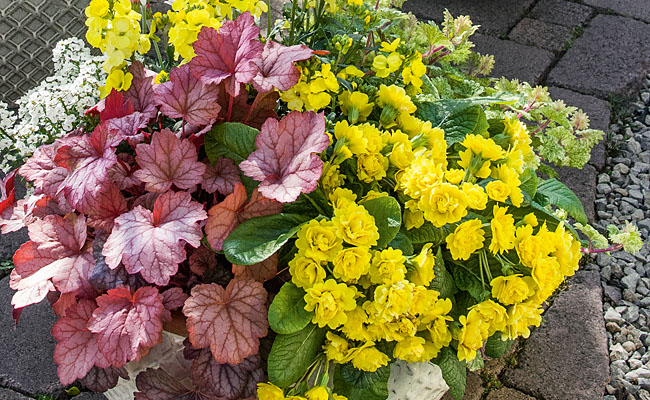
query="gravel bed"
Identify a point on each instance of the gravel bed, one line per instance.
(623, 193)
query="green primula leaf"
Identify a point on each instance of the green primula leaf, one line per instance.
(233, 140)
(388, 218)
(495, 347)
(427, 233)
(314, 203)
(460, 117)
(292, 354)
(402, 242)
(287, 312)
(378, 390)
(444, 281)
(542, 214)
(561, 196)
(470, 281)
(258, 238)
(453, 371)
(528, 184)
(362, 379)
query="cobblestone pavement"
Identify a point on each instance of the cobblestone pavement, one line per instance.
(591, 53)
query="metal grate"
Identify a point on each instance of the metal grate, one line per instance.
(29, 29)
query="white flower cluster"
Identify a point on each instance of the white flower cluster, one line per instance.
(53, 108)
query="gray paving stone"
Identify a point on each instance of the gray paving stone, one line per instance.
(495, 16)
(583, 184)
(508, 394)
(561, 12)
(639, 9)
(567, 357)
(599, 112)
(26, 363)
(6, 394)
(514, 60)
(542, 34)
(611, 57)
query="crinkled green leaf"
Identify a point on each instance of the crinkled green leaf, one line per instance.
(559, 195)
(453, 371)
(388, 218)
(495, 347)
(287, 312)
(292, 354)
(233, 140)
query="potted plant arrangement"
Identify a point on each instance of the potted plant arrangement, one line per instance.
(304, 208)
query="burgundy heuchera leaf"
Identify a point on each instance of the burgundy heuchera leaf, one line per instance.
(157, 384)
(153, 242)
(230, 320)
(185, 96)
(141, 92)
(168, 161)
(230, 382)
(77, 350)
(221, 177)
(261, 272)
(201, 260)
(127, 324)
(56, 258)
(224, 217)
(102, 379)
(275, 67)
(286, 161)
(87, 159)
(228, 55)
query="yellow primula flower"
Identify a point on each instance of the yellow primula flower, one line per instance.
(510, 177)
(422, 272)
(503, 230)
(422, 176)
(548, 276)
(355, 225)
(455, 176)
(305, 271)
(332, 178)
(355, 328)
(413, 218)
(492, 314)
(351, 263)
(329, 301)
(341, 197)
(476, 197)
(391, 301)
(337, 349)
(466, 239)
(394, 101)
(268, 391)
(353, 137)
(385, 65)
(371, 167)
(471, 336)
(317, 393)
(387, 266)
(530, 219)
(511, 289)
(319, 241)
(497, 191)
(355, 106)
(520, 318)
(443, 204)
(369, 359)
(410, 350)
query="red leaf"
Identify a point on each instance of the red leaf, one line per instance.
(222, 177)
(153, 243)
(7, 196)
(108, 205)
(127, 325)
(224, 217)
(230, 320)
(42, 171)
(121, 174)
(55, 258)
(156, 384)
(254, 114)
(63, 303)
(275, 67)
(228, 55)
(77, 350)
(260, 272)
(286, 161)
(201, 260)
(185, 96)
(87, 159)
(102, 379)
(224, 380)
(115, 105)
(141, 92)
(174, 298)
(168, 161)
(129, 126)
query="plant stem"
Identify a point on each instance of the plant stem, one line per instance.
(313, 203)
(268, 19)
(615, 247)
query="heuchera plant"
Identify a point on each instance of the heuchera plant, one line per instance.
(126, 217)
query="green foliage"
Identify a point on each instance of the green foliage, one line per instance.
(287, 313)
(233, 140)
(427, 233)
(258, 238)
(365, 386)
(291, 355)
(362, 379)
(388, 217)
(495, 347)
(6, 265)
(443, 281)
(453, 371)
(402, 242)
(559, 195)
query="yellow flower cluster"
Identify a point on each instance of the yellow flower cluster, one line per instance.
(268, 391)
(114, 28)
(314, 90)
(187, 17)
(389, 60)
(364, 294)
